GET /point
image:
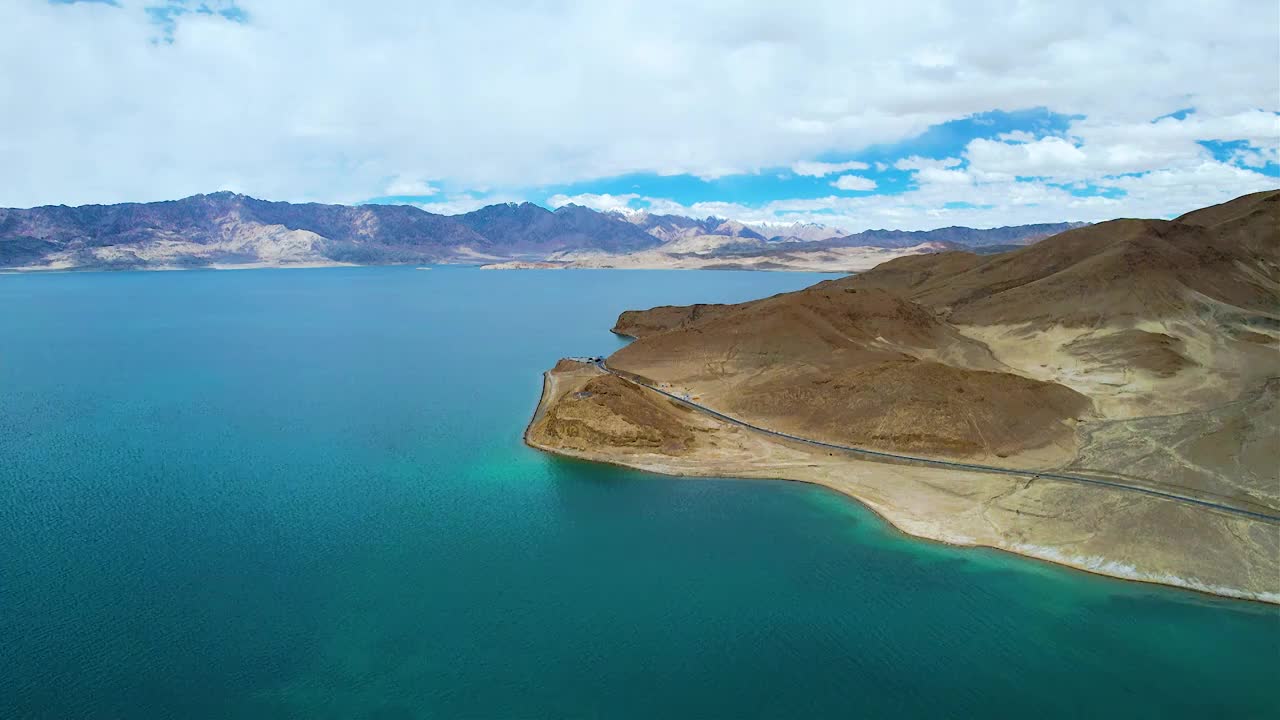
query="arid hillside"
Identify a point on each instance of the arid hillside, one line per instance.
(967, 356)
(1145, 316)
(1113, 272)
(1140, 355)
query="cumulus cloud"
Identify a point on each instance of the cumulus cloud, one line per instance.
(1256, 157)
(942, 176)
(945, 197)
(297, 100)
(915, 162)
(854, 182)
(1016, 136)
(823, 169)
(1049, 156)
(1097, 148)
(407, 186)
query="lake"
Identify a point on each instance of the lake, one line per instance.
(303, 494)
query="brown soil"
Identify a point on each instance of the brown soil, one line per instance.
(916, 407)
(609, 412)
(1118, 271)
(641, 323)
(863, 367)
(1156, 353)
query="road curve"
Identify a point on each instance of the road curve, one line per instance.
(1274, 519)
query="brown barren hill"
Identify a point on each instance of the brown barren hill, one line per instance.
(640, 323)
(961, 355)
(918, 407)
(1142, 356)
(597, 410)
(1117, 271)
(1146, 317)
(859, 367)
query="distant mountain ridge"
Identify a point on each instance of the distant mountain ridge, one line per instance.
(225, 229)
(228, 229)
(965, 236)
(673, 227)
(530, 228)
(798, 232)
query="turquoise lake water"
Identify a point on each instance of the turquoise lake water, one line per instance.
(303, 494)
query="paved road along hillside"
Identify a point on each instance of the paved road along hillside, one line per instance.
(1275, 519)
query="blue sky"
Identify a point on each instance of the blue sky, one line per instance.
(914, 115)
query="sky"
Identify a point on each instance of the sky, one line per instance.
(906, 115)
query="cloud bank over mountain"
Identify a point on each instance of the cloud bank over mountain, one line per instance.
(828, 112)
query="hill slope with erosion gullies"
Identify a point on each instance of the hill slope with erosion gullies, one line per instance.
(1140, 352)
(1145, 316)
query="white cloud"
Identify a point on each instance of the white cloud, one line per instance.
(603, 202)
(666, 206)
(1096, 148)
(941, 176)
(407, 186)
(915, 162)
(1207, 179)
(854, 182)
(325, 101)
(958, 197)
(1051, 156)
(823, 169)
(1016, 136)
(1256, 157)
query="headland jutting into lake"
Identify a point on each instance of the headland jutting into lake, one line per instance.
(1129, 369)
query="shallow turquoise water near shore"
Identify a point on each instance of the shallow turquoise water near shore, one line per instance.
(302, 494)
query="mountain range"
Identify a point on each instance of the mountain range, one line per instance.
(798, 232)
(226, 229)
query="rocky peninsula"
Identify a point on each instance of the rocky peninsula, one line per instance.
(1128, 370)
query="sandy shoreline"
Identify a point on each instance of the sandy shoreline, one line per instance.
(959, 508)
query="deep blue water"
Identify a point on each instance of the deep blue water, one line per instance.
(303, 494)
